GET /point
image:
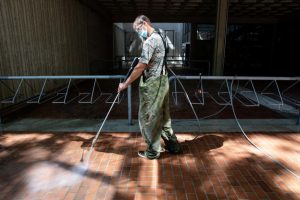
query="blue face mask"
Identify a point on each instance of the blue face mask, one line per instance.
(143, 33)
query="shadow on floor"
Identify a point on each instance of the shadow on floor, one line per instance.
(208, 168)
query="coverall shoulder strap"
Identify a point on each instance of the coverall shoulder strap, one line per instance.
(166, 51)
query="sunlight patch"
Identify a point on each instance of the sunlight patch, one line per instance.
(47, 176)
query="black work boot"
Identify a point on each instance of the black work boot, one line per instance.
(173, 147)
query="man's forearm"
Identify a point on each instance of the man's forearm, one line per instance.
(138, 70)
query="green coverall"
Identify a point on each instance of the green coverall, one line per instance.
(154, 115)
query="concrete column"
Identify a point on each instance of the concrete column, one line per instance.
(220, 38)
(194, 53)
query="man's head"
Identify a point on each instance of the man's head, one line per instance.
(142, 25)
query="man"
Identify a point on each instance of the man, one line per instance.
(154, 114)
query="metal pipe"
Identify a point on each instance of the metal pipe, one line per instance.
(93, 90)
(66, 94)
(22, 78)
(42, 91)
(129, 105)
(18, 89)
(236, 78)
(244, 94)
(175, 88)
(62, 77)
(171, 78)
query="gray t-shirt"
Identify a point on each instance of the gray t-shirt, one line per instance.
(153, 55)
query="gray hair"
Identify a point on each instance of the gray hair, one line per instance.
(140, 20)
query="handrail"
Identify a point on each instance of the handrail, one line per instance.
(63, 77)
(265, 78)
(71, 78)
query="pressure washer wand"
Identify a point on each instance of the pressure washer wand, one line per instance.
(132, 66)
(98, 133)
(134, 63)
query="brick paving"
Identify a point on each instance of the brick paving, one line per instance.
(213, 166)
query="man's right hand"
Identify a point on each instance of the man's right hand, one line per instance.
(122, 86)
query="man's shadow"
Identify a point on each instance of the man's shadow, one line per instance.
(202, 144)
(107, 143)
(199, 145)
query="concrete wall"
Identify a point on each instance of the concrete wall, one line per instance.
(51, 37)
(46, 37)
(100, 44)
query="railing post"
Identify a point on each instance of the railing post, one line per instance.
(129, 105)
(175, 89)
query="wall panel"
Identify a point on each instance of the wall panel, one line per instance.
(43, 37)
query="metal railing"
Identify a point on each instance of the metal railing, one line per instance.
(62, 95)
(247, 94)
